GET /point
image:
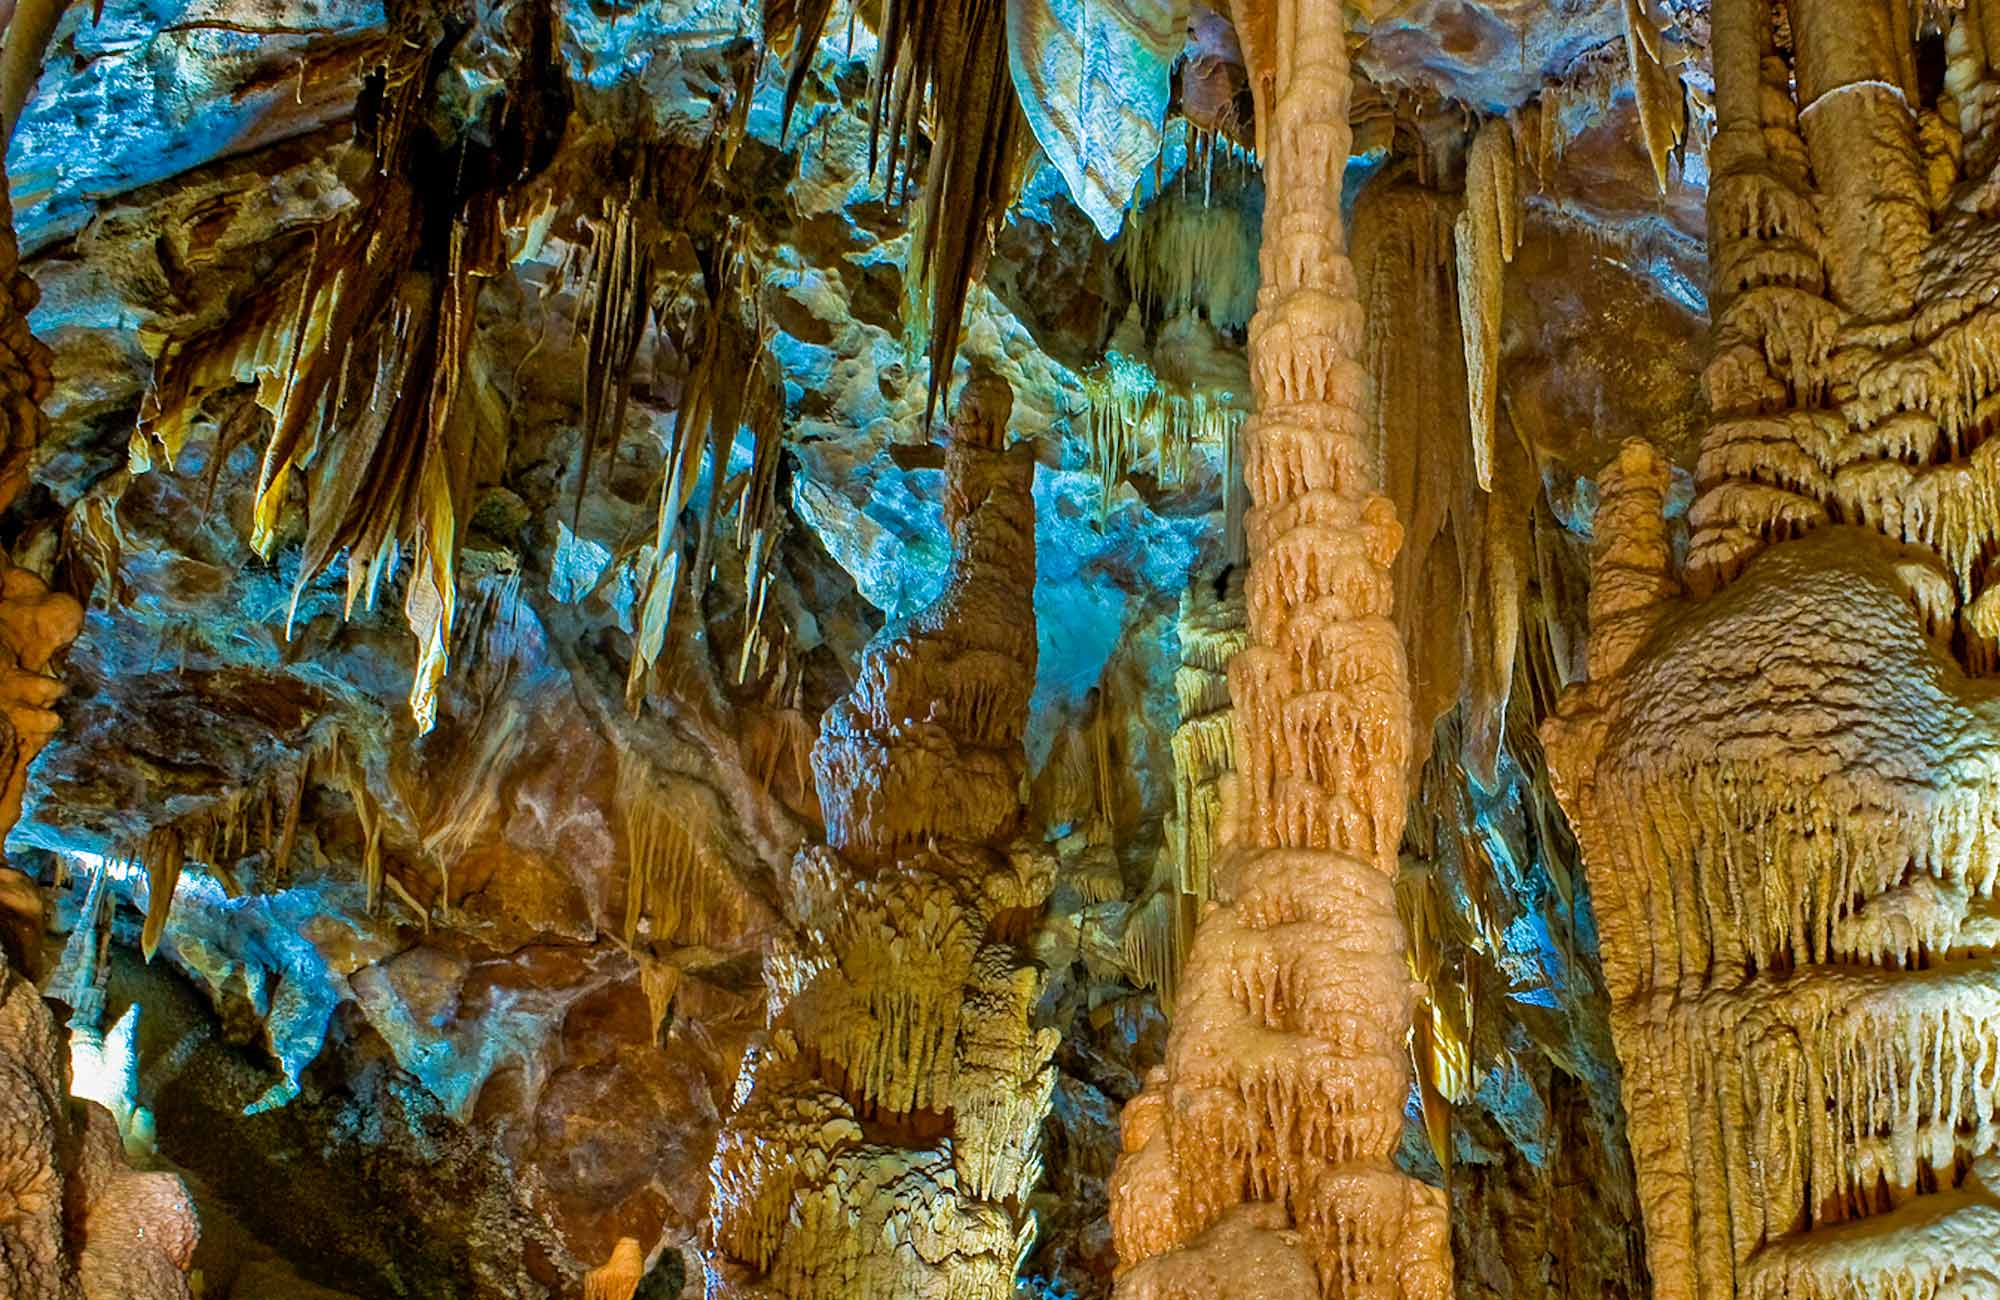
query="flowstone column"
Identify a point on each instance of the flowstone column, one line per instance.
(1256, 1162)
(1785, 784)
(885, 1142)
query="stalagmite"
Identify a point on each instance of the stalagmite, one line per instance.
(1256, 1162)
(1784, 787)
(884, 1143)
(618, 1277)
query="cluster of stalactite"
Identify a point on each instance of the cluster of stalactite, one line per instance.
(940, 65)
(1257, 1161)
(1783, 781)
(884, 1140)
(380, 400)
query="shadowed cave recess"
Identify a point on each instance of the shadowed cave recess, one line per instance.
(1000, 650)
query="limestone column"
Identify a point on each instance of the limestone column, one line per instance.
(1257, 1161)
(1784, 784)
(886, 1140)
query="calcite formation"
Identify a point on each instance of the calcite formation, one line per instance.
(1782, 781)
(884, 1142)
(75, 1222)
(1256, 1162)
(36, 624)
(1212, 632)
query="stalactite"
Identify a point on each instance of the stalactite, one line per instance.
(618, 283)
(1486, 236)
(661, 563)
(759, 521)
(673, 875)
(660, 981)
(334, 755)
(1181, 256)
(1212, 632)
(1405, 262)
(1661, 123)
(898, 1004)
(1157, 932)
(378, 396)
(780, 737)
(943, 63)
(163, 856)
(1136, 416)
(1286, 1068)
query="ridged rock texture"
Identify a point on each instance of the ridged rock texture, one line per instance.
(1257, 1161)
(1783, 782)
(885, 1138)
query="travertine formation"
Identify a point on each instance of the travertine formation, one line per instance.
(1784, 789)
(35, 623)
(884, 1141)
(1256, 1163)
(74, 1221)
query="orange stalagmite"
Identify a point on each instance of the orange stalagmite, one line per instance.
(618, 1277)
(1257, 1161)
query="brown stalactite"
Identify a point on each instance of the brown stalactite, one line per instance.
(884, 1142)
(1256, 1162)
(1783, 788)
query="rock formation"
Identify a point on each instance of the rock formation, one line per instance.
(74, 1221)
(594, 345)
(885, 1140)
(1783, 782)
(1256, 1163)
(35, 623)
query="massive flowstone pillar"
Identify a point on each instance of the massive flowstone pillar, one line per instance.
(1784, 784)
(1256, 1162)
(885, 1142)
